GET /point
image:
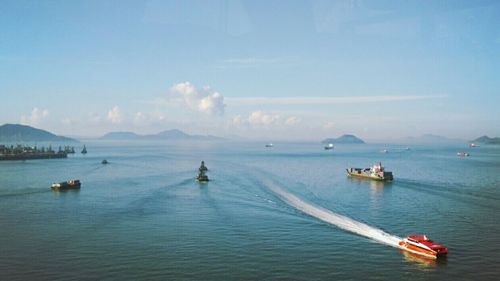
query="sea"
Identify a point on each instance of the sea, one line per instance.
(286, 212)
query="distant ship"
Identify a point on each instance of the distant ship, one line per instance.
(376, 172)
(329, 146)
(269, 145)
(473, 145)
(65, 185)
(84, 150)
(69, 150)
(462, 154)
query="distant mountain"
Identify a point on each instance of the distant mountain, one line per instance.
(344, 139)
(172, 134)
(120, 136)
(487, 140)
(22, 133)
(164, 135)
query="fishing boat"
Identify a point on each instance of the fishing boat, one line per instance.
(65, 185)
(462, 154)
(421, 245)
(202, 177)
(104, 162)
(376, 172)
(84, 150)
(329, 146)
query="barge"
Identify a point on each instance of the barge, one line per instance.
(376, 172)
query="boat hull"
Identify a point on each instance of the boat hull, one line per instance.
(202, 179)
(66, 186)
(420, 251)
(365, 176)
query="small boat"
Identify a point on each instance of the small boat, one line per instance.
(202, 177)
(269, 145)
(84, 150)
(329, 146)
(384, 151)
(376, 172)
(462, 154)
(65, 185)
(104, 162)
(473, 145)
(421, 245)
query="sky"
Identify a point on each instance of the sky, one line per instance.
(267, 70)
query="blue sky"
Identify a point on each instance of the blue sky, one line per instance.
(301, 70)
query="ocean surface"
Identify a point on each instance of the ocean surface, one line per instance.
(283, 213)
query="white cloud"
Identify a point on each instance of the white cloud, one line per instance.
(290, 121)
(140, 118)
(36, 116)
(204, 100)
(115, 116)
(259, 118)
(238, 120)
(148, 119)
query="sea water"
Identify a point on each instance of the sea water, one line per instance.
(288, 212)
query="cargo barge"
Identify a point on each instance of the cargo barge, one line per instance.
(376, 172)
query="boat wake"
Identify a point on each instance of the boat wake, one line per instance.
(330, 217)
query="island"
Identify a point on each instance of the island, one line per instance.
(15, 133)
(487, 140)
(344, 139)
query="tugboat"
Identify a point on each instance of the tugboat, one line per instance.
(377, 172)
(65, 185)
(202, 177)
(421, 245)
(329, 146)
(84, 150)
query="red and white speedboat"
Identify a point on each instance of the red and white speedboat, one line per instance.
(420, 244)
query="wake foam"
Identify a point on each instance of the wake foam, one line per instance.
(335, 219)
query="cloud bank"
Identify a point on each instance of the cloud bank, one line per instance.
(36, 116)
(115, 115)
(204, 100)
(261, 119)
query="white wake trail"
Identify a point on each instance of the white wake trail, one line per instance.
(336, 219)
